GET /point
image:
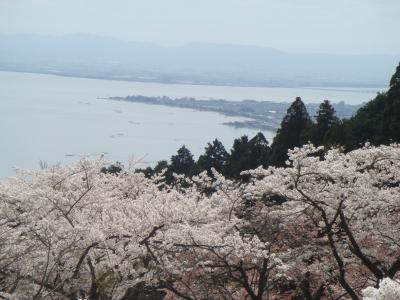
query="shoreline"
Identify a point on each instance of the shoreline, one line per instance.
(262, 115)
(324, 87)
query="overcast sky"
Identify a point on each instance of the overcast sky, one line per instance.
(337, 26)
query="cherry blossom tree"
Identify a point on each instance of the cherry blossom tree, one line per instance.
(349, 205)
(388, 290)
(75, 231)
(324, 227)
(219, 266)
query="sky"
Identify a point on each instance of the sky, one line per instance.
(310, 26)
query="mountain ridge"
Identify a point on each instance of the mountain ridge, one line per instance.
(86, 55)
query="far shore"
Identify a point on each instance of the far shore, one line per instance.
(327, 87)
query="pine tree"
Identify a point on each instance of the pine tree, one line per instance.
(337, 134)
(394, 99)
(215, 156)
(291, 134)
(259, 150)
(395, 80)
(182, 162)
(160, 166)
(247, 154)
(325, 120)
(378, 122)
(237, 159)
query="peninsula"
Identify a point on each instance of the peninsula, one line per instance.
(264, 115)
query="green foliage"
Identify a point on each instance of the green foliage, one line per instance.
(378, 122)
(215, 156)
(247, 154)
(160, 166)
(259, 150)
(368, 124)
(182, 162)
(395, 80)
(325, 120)
(337, 134)
(113, 169)
(293, 132)
(148, 172)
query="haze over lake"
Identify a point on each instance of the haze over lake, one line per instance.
(56, 119)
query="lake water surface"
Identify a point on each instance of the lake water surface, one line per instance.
(57, 119)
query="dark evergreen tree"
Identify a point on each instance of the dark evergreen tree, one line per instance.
(292, 133)
(148, 172)
(238, 158)
(182, 162)
(113, 169)
(337, 134)
(259, 151)
(247, 154)
(325, 120)
(367, 124)
(395, 80)
(379, 120)
(394, 95)
(215, 156)
(160, 166)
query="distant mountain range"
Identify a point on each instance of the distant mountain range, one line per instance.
(198, 63)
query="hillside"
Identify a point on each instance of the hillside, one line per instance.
(379, 120)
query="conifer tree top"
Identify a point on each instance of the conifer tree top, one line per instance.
(297, 110)
(395, 81)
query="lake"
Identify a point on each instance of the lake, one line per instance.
(56, 119)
